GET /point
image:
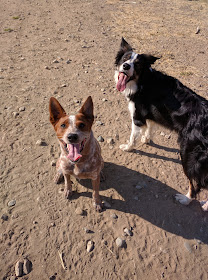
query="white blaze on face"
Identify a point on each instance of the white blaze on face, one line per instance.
(124, 75)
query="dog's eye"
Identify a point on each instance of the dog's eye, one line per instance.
(63, 125)
(81, 125)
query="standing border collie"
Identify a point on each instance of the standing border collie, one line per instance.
(154, 96)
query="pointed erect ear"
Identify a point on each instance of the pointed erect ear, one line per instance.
(87, 109)
(125, 46)
(149, 58)
(56, 111)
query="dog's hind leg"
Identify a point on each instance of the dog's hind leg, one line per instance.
(186, 199)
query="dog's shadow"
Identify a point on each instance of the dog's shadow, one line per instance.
(154, 202)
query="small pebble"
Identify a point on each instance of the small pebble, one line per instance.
(136, 197)
(110, 141)
(167, 136)
(4, 217)
(64, 85)
(162, 133)
(40, 142)
(197, 30)
(53, 163)
(90, 246)
(27, 266)
(19, 269)
(11, 203)
(106, 204)
(187, 246)
(68, 61)
(114, 216)
(139, 187)
(104, 100)
(120, 242)
(102, 89)
(55, 61)
(87, 230)
(99, 123)
(15, 114)
(79, 211)
(61, 190)
(100, 139)
(128, 232)
(21, 109)
(35, 222)
(46, 67)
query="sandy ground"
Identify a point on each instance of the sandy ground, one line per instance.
(66, 49)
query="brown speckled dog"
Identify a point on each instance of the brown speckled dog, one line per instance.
(80, 151)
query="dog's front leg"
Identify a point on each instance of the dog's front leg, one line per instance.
(68, 186)
(135, 132)
(95, 196)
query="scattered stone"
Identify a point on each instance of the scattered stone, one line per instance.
(87, 230)
(162, 133)
(55, 61)
(197, 30)
(156, 196)
(35, 222)
(187, 246)
(27, 266)
(61, 190)
(53, 163)
(136, 197)
(15, 114)
(4, 217)
(99, 123)
(19, 269)
(11, 203)
(40, 142)
(46, 67)
(21, 109)
(68, 61)
(128, 232)
(139, 187)
(104, 100)
(106, 204)
(64, 85)
(167, 136)
(114, 216)
(53, 224)
(102, 89)
(120, 242)
(100, 139)
(110, 141)
(79, 211)
(117, 136)
(90, 246)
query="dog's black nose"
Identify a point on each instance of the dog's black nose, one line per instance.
(72, 137)
(126, 66)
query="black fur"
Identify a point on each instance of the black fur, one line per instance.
(168, 102)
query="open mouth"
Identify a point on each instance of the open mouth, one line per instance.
(74, 150)
(123, 78)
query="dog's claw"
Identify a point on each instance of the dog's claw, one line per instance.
(183, 199)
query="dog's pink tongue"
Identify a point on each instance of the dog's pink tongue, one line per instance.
(122, 80)
(74, 152)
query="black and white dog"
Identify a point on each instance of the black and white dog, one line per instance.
(154, 96)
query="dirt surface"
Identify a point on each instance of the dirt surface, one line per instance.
(66, 49)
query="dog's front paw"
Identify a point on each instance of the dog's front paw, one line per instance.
(67, 193)
(98, 206)
(183, 199)
(145, 139)
(126, 147)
